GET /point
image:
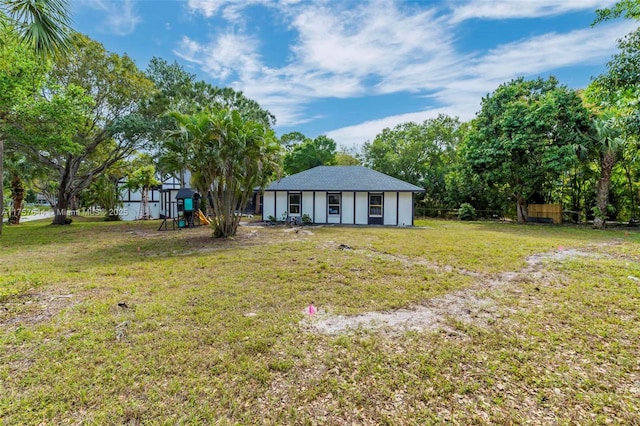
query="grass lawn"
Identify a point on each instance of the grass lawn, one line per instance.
(473, 323)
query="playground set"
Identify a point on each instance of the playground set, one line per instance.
(181, 207)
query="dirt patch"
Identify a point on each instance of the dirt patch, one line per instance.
(33, 308)
(470, 306)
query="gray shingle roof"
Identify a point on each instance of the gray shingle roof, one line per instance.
(341, 178)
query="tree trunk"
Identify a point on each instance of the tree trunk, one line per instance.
(17, 195)
(62, 208)
(144, 204)
(521, 209)
(632, 196)
(607, 161)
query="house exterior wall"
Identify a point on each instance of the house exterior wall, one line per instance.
(354, 207)
(361, 208)
(320, 208)
(268, 204)
(390, 208)
(281, 206)
(307, 203)
(405, 211)
(348, 207)
(132, 201)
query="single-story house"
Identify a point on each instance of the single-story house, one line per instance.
(352, 195)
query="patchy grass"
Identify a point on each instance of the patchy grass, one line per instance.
(116, 323)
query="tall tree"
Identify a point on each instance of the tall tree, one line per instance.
(617, 94)
(608, 143)
(524, 137)
(417, 153)
(87, 119)
(178, 91)
(42, 26)
(17, 167)
(304, 153)
(232, 155)
(142, 179)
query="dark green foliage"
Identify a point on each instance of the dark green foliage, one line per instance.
(524, 138)
(421, 154)
(466, 212)
(304, 153)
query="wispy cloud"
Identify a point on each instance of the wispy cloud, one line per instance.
(461, 95)
(375, 48)
(508, 9)
(120, 18)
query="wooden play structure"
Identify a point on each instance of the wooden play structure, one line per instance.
(181, 207)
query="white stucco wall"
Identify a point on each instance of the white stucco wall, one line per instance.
(362, 208)
(321, 208)
(390, 208)
(397, 209)
(405, 218)
(307, 203)
(131, 210)
(347, 208)
(268, 203)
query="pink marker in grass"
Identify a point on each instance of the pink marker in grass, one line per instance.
(312, 309)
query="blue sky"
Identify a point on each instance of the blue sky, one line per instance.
(348, 69)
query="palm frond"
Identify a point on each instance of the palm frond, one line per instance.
(44, 25)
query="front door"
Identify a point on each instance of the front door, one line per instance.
(375, 209)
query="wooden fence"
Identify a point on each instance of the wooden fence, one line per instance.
(545, 213)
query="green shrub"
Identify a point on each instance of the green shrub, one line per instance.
(306, 219)
(466, 212)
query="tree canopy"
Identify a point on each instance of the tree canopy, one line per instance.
(524, 137)
(304, 153)
(232, 156)
(420, 154)
(85, 119)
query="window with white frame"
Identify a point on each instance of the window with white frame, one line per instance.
(294, 203)
(375, 205)
(333, 201)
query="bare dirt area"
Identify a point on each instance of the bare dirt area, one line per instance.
(33, 308)
(475, 305)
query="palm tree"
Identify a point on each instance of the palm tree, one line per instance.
(17, 167)
(43, 26)
(609, 142)
(232, 155)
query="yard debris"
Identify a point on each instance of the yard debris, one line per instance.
(123, 305)
(631, 277)
(62, 296)
(121, 331)
(344, 247)
(311, 309)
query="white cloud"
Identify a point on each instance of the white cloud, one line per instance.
(375, 48)
(551, 51)
(506, 9)
(461, 96)
(372, 41)
(231, 10)
(355, 136)
(206, 7)
(120, 18)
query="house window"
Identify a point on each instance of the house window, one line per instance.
(294, 203)
(334, 203)
(375, 205)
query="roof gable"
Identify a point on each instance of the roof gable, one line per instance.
(342, 178)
